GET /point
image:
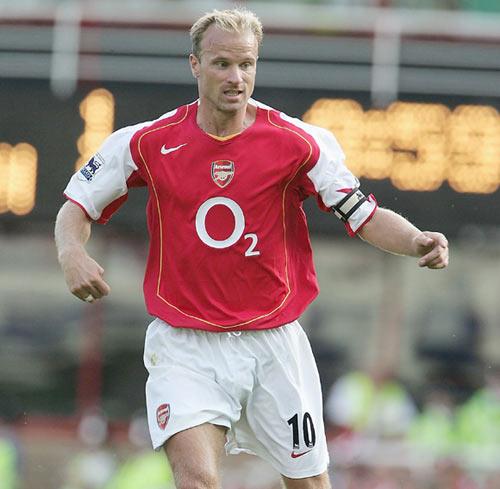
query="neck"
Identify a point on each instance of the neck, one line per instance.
(220, 123)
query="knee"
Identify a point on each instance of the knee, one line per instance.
(197, 479)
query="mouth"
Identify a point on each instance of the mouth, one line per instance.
(232, 93)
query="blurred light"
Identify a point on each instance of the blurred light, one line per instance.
(474, 134)
(417, 146)
(18, 167)
(344, 118)
(377, 153)
(97, 110)
(5, 150)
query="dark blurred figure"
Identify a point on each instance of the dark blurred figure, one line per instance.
(451, 336)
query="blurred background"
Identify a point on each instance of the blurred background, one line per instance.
(409, 358)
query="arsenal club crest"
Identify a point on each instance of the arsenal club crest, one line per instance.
(163, 415)
(222, 172)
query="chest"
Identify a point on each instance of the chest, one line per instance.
(186, 168)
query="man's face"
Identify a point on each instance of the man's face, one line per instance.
(226, 68)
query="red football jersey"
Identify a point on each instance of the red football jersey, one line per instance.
(229, 244)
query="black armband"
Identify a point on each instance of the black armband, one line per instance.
(349, 204)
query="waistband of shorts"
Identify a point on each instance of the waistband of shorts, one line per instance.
(202, 332)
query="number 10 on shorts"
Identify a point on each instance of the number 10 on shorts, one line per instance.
(308, 432)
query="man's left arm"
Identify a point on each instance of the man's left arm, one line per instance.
(393, 233)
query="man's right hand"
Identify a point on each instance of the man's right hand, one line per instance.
(83, 275)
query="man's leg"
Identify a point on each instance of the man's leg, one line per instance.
(321, 481)
(195, 455)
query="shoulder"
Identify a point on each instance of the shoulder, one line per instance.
(321, 139)
(166, 120)
(122, 137)
(122, 144)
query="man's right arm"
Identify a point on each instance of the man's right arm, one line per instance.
(83, 274)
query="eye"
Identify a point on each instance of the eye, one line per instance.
(221, 63)
(246, 65)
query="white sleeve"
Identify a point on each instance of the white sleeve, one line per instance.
(333, 181)
(103, 179)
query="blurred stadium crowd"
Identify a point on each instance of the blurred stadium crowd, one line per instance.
(381, 436)
(443, 442)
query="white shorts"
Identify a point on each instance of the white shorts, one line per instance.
(262, 385)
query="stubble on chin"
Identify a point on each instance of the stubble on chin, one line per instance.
(229, 108)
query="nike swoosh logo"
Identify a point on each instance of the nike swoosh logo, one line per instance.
(297, 455)
(165, 151)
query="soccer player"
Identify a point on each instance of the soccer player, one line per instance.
(230, 265)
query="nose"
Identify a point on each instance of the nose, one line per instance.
(234, 75)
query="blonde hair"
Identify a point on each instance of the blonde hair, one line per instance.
(234, 20)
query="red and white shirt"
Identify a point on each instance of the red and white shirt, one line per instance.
(229, 244)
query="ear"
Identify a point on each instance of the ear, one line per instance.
(195, 65)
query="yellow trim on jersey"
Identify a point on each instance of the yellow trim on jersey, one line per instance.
(160, 220)
(223, 138)
(284, 192)
(161, 225)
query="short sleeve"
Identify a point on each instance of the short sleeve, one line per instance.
(333, 181)
(101, 186)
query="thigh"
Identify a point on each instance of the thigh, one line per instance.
(195, 455)
(182, 390)
(321, 481)
(285, 411)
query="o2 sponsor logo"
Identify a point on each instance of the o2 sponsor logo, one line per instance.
(238, 230)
